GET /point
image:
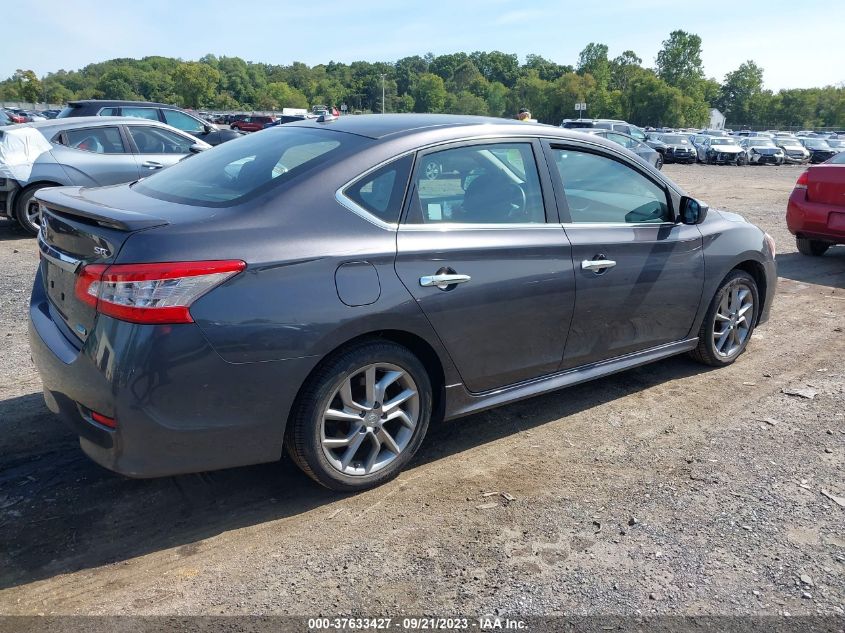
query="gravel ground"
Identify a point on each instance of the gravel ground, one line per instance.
(669, 489)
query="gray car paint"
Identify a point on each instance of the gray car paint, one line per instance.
(217, 393)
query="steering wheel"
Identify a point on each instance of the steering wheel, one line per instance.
(517, 199)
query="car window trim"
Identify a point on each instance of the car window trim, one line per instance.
(546, 186)
(551, 144)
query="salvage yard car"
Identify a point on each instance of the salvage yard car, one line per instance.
(86, 151)
(819, 149)
(679, 148)
(721, 150)
(760, 150)
(309, 287)
(815, 214)
(793, 151)
(647, 153)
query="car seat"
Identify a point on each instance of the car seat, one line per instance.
(90, 144)
(490, 198)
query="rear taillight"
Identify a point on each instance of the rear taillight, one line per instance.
(802, 181)
(151, 293)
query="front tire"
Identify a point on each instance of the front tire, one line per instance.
(729, 322)
(361, 416)
(813, 248)
(658, 164)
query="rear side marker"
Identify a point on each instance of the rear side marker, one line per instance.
(99, 418)
(152, 293)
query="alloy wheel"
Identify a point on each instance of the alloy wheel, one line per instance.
(732, 324)
(370, 419)
(33, 214)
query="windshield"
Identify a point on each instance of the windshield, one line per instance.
(816, 143)
(246, 167)
(675, 138)
(833, 142)
(790, 142)
(723, 141)
(760, 142)
(839, 159)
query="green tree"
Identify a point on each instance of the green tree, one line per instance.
(621, 68)
(739, 95)
(196, 83)
(679, 61)
(430, 93)
(593, 61)
(278, 95)
(28, 85)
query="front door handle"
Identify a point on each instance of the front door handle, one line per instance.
(443, 280)
(151, 164)
(597, 265)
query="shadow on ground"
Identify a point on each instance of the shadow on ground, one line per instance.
(827, 270)
(60, 512)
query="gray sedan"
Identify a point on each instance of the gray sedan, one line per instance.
(86, 151)
(309, 287)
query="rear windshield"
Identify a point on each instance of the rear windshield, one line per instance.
(66, 112)
(242, 168)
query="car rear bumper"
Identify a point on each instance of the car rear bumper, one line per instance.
(179, 407)
(815, 220)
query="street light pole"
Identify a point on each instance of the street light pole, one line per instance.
(382, 92)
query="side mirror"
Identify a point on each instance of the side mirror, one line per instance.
(692, 211)
(196, 148)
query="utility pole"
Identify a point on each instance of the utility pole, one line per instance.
(382, 92)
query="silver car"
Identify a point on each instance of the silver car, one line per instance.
(83, 151)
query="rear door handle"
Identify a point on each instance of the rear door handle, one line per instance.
(443, 281)
(597, 265)
(151, 164)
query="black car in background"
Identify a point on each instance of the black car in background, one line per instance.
(171, 115)
(678, 148)
(819, 149)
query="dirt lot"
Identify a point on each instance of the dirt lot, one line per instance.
(667, 489)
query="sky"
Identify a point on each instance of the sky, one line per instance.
(798, 44)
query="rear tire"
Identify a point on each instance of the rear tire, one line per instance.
(347, 431)
(729, 322)
(26, 210)
(813, 248)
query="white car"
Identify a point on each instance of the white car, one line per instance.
(722, 150)
(760, 150)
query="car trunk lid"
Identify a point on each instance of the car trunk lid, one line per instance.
(79, 228)
(826, 184)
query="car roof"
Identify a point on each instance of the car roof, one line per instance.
(379, 126)
(118, 102)
(87, 121)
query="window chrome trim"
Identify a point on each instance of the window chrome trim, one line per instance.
(360, 211)
(596, 225)
(471, 226)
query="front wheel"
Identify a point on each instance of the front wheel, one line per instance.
(729, 322)
(658, 164)
(814, 248)
(361, 417)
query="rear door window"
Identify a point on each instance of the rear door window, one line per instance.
(98, 140)
(478, 184)
(141, 113)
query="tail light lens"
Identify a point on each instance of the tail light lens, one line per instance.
(803, 180)
(151, 293)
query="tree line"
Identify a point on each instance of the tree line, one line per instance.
(675, 92)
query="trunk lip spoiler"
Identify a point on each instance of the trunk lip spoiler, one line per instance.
(69, 201)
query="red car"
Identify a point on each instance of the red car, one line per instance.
(252, 123)
(815, 214)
